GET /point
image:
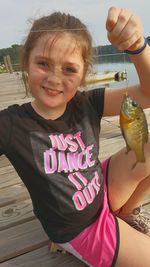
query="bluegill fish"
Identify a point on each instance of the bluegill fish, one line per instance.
(134, 127)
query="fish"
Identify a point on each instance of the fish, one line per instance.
(134, 127)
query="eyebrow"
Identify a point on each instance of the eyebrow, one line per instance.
(41, 57)
(73, 64)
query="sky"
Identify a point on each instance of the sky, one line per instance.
(16, 16)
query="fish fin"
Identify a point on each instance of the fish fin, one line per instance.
(134, 165)
(142, 160)
(139, 154)
(146, 138)
(127, 146)
(140, 157)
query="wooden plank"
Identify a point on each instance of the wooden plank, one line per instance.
(108, 148)
(6, 169)
(15, 214)
(42, 257)
(4, 161)
(13, 194)
(18, 101)
(8, 177)
(12, 90)
(21, 239)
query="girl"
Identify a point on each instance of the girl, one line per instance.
(53, 142)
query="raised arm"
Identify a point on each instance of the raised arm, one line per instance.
(126, 33)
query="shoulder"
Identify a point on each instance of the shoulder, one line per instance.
(15, 108)
(89, 95)
(12, 112)
(92, 99)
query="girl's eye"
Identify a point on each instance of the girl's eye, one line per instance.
(43, 64)
(70, 70)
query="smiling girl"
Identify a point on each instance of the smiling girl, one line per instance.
(53, 142)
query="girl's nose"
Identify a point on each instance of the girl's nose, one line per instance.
(54, 77)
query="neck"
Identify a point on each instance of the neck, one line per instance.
(48, 113)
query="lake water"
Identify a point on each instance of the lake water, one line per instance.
(128, 67)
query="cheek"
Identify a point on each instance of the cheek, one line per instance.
(31, 80)
(74, 82)
(71, 88)
(34, 77)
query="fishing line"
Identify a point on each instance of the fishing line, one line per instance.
(59, 30)
(126, 85)
(127, 80)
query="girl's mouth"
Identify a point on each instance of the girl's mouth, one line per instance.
(52, 92)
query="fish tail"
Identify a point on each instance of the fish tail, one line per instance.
(139, 158)
(140, 155)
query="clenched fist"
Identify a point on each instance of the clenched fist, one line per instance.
(124, 29)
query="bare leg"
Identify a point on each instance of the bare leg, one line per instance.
(127, 187)
(134, 247)
(123, 180)
(137, 197)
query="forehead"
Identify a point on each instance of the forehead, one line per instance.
(60, 44)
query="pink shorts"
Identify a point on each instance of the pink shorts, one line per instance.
(98, 244)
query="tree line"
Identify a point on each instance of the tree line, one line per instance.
(109, 53)
(102, 54)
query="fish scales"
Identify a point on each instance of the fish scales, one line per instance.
(134, 127)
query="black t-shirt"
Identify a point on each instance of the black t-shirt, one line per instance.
(58, 162)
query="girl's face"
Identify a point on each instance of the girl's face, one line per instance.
(55, 72)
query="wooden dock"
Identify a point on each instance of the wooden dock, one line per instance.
(23, 243)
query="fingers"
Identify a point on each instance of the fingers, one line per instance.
(124, 28)
(112, 18)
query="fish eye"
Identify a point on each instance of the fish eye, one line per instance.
(134, 104)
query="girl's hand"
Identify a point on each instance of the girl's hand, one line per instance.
(124, 29)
